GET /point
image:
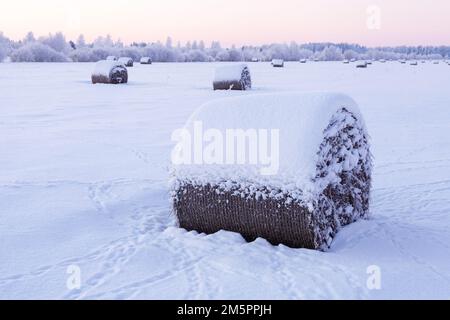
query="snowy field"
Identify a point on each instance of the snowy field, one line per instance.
(83, 183)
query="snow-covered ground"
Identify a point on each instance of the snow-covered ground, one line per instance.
(83, 184)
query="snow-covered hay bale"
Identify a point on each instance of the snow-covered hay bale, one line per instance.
(414, 63)
(278, 63)
(146, 60)
(109, 71)
(346, 61)
(302, 60)
(317, 182)
(126, 61)
(233, 77)
(111, 58)
(362, 64)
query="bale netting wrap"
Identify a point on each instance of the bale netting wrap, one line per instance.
(322, 183)
(109, 71)
(232, 77)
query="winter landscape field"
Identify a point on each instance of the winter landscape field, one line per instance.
(84, 188)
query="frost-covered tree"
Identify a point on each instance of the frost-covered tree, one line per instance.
(201, 45)
(37, 52)
(81, 42)
(278, 51)
(294, 52)
(331, 53)
(305, 54)
(29, 37)
(102, 47)
(197, 56)
(57, 42)
(235, 54)
(5, 47)
(350, 54)
(169, 43)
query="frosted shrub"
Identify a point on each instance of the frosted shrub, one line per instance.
(37, 52)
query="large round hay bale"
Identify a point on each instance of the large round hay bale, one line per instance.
(126, 61)
(146, 60)
(233, 77)
(317, 182)
(109, 71)
(278, 63)
(362, 64)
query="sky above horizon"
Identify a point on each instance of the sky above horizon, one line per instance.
(367, 22)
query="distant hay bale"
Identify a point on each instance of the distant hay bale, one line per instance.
(109, 71)
(382, 61)
(254, 59)
(414, 63)
(126, 61)
(346, 62)
(302, 60)
(362, 64)
(322, 183)
(278, 63)
(111, 58)
(402, 61)
(146, 60)
(233, 77)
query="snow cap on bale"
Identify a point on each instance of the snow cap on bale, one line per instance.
(109, 71)
(301, 120)
(234, 77)
(317, 178)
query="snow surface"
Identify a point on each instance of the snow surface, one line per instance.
(229, 72)
(84, 182)
(300, 119)
(104, 67)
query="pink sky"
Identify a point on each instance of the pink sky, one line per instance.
(410, 22)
